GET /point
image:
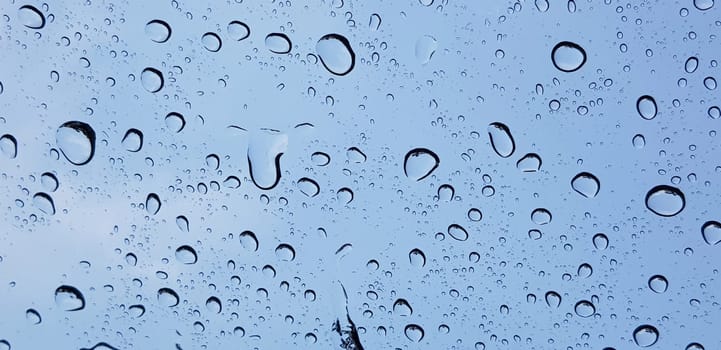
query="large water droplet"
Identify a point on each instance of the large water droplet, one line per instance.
(417, 257)
(133, 140)
(414, 333)
(530, 163)
(152, 80)
(152, 204)
(703, 5)
(600, 241)
(541, 216)
(264, 152)
(158, 30)
(168, 297)
(658, 283)
(425, 48)
(645, 335)
(69, 298)
(586, 184)
(44, 202)
(646, 107)
(9, 146)
(665, 200)
(336, 54)
(568, 56)
(308, 187)
(458, 232)
(501, 139)
(278, 43)
(711, 232)
(584, 270)
(249, 241)
(419, 163)
(211, 42)
(175, 122)
(213, 305)
(186, 255)
(402, 308)
(553, 299)
(238, 30)
(285, 252)
(76, 141)
(31, 17)
(584, 308)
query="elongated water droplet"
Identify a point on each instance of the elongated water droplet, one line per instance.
(31, 17)
(530, 163)
(425, 48)
(414, 333)
(308, 187)
(133, 140)
(417, 257)
(665, 200)
(186, 255)
(249, 241)
(168, 297)
(238, 30)
(335, 54)
(646, 107)
(711, 232)
(553, 299)
(9, 146)
(285, 252)
(419, 163)
(375, 21)
(501, 139)
(658, 283)
(69, 298)
(152, 204)
(278, 43)
(264, 152)
(401, 307)
(76, 141)
(586, 184)
(158, 31)
(645, 335)
(44, 202)
(152, 80)
(584, 308)
(568, 56)
(457, 232)
(211, 42)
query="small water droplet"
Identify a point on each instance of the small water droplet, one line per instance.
(182, 223)
(691, 64)
(212, 161)
(211, 42)
(186, 255)
(542, 5)
(457, 232)
(69, 298)
(553, 299)
(586, 184)
(584, 270)
(238, 30)
(639, 141)
(401, 307)
(414, 333)
(213, 305)
(568, 56)
(31, 17)
(646, 107)
(152, 80)
(175, 122)
(152, 204)
(335, 54)
(600, 241)
(9, 146)
(320, 158)
(645, 335)
(530, 163)
(714, 112)
(475, 214)
(158, 30)
(278, 43)
(419, 163)
(665, 200)
(76, 141)
(417, 258)
(168, 297)
(133, 140)
(501, 139)
(541, 216)
(711, 232)
(584, 308)
(658, 283)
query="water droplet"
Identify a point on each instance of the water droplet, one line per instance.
(585, 270)
(44, 202)
(136, 310)
(402, 308)
(285, 252)
(541, 216)
(639, 141)
(426, 2)
(425, 48)
(553, 299)
(542, 5)
(501, 139)
(213, 305)
(76, 141)
(414, 333)
(212, 161)
(711, 232)
(694, 346)
(703, 5)
(31, 17)
(710, 83)
(182, 223)
(355, 155)
(344, 195)
(69, 298)
(308, 187)
(320, 158)
(168, 297)
(278, 43)
(646, 107)
(535, 234)
(264, 152)
(530, 163)
(665, 200)
(238, 30)
(645, 335)
(375, 21)
(175, 122)
(600, 241)
(133, 140)
(158, 30)
(458, 232)
(33, 316)
(691, 64)
(152, 80)
(9, 146)
(714, 112)
(249, 241)
(186, 255)
(419, 163)
(211, 42)
(586, 184)
(568, 56)
(152, 204)
(336, 54)
(658, 283)
(417, 258)
(445, 192)
(475, 214)
(584, 308)
(231, 182)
